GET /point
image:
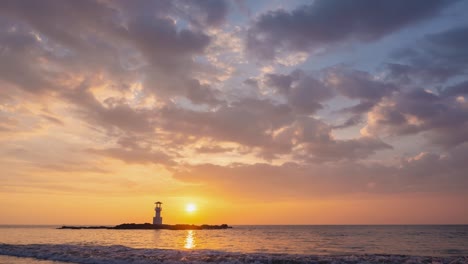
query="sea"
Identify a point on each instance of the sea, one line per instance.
(241, 244)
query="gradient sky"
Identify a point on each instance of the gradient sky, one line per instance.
(258, 112)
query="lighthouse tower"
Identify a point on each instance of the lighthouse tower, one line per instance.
(157, 219)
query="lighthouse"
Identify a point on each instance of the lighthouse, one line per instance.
(157, 219)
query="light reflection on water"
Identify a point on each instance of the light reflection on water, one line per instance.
(407, 240)
(190, 240)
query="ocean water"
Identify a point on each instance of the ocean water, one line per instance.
(262, 244)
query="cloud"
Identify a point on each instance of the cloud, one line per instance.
(7, 124)
(135, 155)
(444, 118)
(360, 85)
(110, 39)
(352, 121)
(305, 94)
(205, 12)
(456, 89)
(249, 122)
(435, 58)
(213, 149)
(443, 170)
(113, 114)
(425, 172)
(324, 22)
(352, 149)
(281, 82)
(21, 59)
(166, 85)
(315, 140)
(271, 128)
(357, 85)
(53, 120)
(261, 181)
(71, 167)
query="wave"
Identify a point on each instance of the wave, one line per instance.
(87, 254)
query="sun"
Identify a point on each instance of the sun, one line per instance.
(191, 208)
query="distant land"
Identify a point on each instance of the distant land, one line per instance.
(147, 226)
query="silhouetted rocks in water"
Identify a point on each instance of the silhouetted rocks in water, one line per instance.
(151, 226)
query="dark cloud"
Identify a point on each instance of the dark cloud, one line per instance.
(360, 108)
(441, 170)
(112, 38)
(272, 129)
(20, 54)
(251, 82)
(457, 89)
(159, 39)
(110, 114)
(359, 84)
(352, 149)
(435, 58)
(314, 137)
(213, 149)
(281, 82)
(169, 53)
(352, 121)
(305, 94)
(62, 20)
(134, 148)
(249, 122)
(444, 118)
(327, 22)
(204, 12)
(53, 120)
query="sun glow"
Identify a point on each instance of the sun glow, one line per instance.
(191, 208)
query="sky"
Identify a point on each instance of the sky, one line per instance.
(257, 112)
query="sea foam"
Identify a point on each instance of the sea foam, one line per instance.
(88, 254)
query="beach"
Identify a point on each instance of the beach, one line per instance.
(120, 254)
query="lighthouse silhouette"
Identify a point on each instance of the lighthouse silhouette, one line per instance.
(157, 219)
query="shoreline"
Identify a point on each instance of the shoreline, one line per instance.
(122, 254)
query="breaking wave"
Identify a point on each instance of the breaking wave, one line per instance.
(86, 254)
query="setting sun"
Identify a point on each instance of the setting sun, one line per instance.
(191, 208)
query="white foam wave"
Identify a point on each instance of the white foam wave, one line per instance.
(85, 254)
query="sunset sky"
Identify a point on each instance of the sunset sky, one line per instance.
(256, 112)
